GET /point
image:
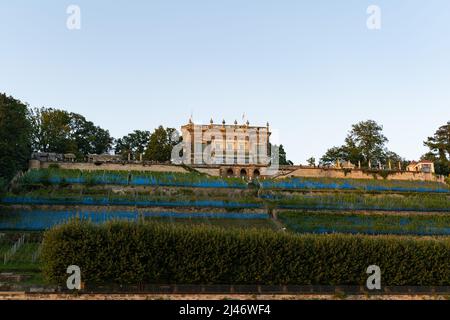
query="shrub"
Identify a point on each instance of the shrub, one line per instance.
(132, 253)
(3, 185)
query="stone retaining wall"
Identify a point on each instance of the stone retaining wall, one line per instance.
(284, 171)
(357, 174)
(88, 166)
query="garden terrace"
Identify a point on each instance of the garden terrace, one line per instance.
(377, 185)
(39, 218)
(134, 178)
(360, 201)
(365, 223)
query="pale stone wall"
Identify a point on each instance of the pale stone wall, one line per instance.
(210, 171)
(357, 174)
(284, 172)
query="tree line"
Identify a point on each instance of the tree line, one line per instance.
(24, 130)
(366, 144)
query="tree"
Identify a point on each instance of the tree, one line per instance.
(368, 142)
(282, 157)
(15, 137)
(87, 138)
(394, 159)
(134, 143)
(311, 162)
(161, 143)
(333, 155)
(365, 142)
(51, 130)
(439, 145)
(63, 132)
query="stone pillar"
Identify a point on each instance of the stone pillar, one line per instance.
(390, 166)
(34, 164)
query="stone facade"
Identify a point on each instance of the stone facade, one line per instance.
(421, 166)
(218, 144)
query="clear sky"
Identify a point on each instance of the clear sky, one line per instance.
(310, 68)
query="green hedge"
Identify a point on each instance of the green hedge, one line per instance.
(132, 253)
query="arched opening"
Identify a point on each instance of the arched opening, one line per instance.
(243, 173)
(230, 172)
(256, 173)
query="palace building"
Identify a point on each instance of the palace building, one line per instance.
(222, 144)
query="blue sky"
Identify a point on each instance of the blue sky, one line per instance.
(309, 68)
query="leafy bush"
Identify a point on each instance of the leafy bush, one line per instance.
(132, 253)
(3, 186)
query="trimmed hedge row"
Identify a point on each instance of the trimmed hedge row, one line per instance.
(132, 253)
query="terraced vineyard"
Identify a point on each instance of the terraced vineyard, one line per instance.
(50, 196)
(19, 255)
(135, 178)
(355, 184)
(367, 223)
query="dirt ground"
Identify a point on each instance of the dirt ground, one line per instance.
(131, 296)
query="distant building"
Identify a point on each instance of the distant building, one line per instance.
(47, 156)
(218, 144)
(421, 166)
(104, 158)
